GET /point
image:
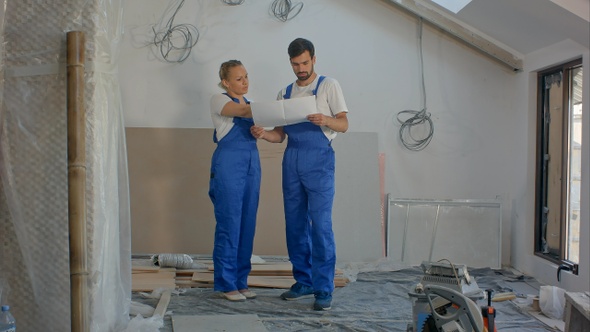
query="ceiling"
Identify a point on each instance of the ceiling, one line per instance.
(528, 25)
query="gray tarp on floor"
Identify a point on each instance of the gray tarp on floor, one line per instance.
(376, 301)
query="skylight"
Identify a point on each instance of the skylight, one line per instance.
(453, 5)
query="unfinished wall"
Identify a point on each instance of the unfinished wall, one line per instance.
(482, 113)
(171, 211)
(475, 152)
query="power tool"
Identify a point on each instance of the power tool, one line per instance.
(444, 300)
(489, 314)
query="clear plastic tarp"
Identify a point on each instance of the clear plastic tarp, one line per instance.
(459, 230)
(34, 235)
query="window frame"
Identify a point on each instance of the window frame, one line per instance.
(540, 181)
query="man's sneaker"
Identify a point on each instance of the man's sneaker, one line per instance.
(323, 301)
(297, 291)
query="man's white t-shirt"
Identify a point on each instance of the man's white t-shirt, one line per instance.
(329, 98)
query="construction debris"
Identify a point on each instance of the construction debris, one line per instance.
(148, 277)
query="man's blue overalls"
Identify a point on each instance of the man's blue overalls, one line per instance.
(308, 193)
(234, 189)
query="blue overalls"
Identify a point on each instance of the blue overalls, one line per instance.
(308, 194)
(234, 189)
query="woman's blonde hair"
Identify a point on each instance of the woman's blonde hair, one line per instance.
(224, 71)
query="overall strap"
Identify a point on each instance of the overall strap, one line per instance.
(315, 91)
(288, 91)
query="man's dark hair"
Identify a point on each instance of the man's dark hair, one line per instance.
(300, 45)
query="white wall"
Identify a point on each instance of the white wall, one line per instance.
(481, 147)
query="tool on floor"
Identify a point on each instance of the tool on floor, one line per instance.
(489, 314)
(445, 300)
(457, 314)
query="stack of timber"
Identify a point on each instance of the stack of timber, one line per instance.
(147, 277)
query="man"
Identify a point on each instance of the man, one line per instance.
(308, 177)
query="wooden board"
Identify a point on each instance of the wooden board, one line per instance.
(271, 281)
(285, 269)
(163, 304)
(203, 277)
(144, 282)
(218, 323)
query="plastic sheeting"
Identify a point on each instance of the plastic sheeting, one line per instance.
(376, 301)
(429, 230)
(34, 247)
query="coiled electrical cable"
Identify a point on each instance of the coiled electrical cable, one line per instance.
(416, 118)
(284, 10)
(175, 42)
(233, 2)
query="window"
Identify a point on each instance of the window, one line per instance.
(559, 147)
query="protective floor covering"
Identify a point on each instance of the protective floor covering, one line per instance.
(376, 301)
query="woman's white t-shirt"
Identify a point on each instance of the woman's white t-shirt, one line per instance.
(223, 124)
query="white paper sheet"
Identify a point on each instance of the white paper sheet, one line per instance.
(283, 112)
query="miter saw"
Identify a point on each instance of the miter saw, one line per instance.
(445, 300)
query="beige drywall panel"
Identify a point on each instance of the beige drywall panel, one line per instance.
(171, 211)
(169, 181)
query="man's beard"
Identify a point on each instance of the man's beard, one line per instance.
(304, 78)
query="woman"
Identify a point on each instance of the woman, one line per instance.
(234, 185)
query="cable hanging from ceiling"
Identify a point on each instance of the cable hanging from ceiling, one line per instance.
(285, 10)
(175, 42)
(233, 2)
(412, 120)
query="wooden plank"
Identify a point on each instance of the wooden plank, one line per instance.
(267, 277)
(188, 272)
(150, 281)
(577, 312)
(154, 276)
(227, 323)
(269, 269)
(192, 284)
(151, 286)
(503, 297)
(203, 277)
(141, 268)
(163, 304)
(271, 281)
(341, 281)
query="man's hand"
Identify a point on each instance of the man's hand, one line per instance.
(338, 123)
(257, 131)
(319, 119)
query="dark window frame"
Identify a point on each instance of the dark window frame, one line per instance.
(540, 176)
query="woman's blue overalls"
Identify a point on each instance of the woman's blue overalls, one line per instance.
(308, 193)
(234, 189)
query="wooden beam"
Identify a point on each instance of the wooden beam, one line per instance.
(480, 43)
(76, 135)
(163, 304)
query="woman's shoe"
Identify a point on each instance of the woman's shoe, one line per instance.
(238, 297)
(248, 294)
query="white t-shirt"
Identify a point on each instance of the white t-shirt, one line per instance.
(223, 124)
(329, 98)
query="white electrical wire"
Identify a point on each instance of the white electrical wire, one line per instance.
(422, 118)
(285, 10)
(175, 41)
